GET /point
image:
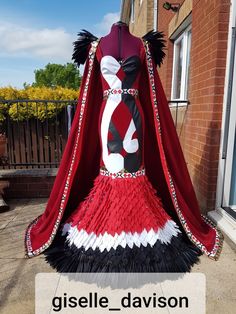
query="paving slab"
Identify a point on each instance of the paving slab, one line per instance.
(17, 273)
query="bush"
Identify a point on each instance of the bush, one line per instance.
(21, 111)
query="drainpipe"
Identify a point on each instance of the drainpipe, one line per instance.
(121, 10)
(155, 16)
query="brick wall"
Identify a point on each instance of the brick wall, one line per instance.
(203, 123)
(143, 18)
(27, 183)
(200, 130)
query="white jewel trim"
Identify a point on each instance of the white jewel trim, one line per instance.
(122, 174)
(115, 91)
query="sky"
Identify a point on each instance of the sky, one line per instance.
(36, 32)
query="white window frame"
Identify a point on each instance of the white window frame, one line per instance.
(184, 74)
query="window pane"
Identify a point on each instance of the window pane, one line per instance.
(178, 68)
(181, 67)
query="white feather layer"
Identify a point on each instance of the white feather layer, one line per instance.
(80, 238)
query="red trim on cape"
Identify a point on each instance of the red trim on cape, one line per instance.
(164, 162)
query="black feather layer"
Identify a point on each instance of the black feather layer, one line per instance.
(178, 256)
(157, 42)
(81, 46)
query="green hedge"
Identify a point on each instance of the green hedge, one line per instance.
(22, 111)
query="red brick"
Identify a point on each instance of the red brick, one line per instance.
(200, 133)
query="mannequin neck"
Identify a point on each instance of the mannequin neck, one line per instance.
(124, 28)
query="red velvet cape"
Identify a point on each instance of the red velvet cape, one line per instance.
(164, 162)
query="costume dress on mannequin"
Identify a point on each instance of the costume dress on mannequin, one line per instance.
(122, 221)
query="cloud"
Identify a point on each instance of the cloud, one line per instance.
(16, 77)
(50, 44)
(104, 26)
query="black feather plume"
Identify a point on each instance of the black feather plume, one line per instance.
(81, 45)
(155, 38)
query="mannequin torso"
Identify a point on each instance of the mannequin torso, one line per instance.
(121, 123)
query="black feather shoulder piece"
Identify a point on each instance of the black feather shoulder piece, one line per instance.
(157, 42)
(81, 46)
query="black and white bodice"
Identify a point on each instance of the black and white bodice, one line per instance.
(121, 121)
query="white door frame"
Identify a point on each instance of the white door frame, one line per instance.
(225, 164)
(220, 216)
(230, 143)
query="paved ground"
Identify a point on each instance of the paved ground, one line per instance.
(17, 273)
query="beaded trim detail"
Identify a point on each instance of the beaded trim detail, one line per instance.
(118, 91)
(122, 174)
(29, 251)
(215, 252)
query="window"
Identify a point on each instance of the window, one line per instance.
(132, 11)
(181, 66)
(140, 2)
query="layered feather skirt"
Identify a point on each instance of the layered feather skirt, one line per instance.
(121, 226)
